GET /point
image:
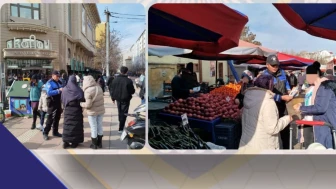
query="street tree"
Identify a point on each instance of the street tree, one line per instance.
(115, 54)
(248, 36)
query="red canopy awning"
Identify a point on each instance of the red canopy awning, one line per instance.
(211, 28)
(285, 59)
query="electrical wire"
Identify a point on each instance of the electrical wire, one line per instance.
(128, 14)
(129, 18)
(130, 21)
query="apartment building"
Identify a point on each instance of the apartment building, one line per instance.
(138, 50)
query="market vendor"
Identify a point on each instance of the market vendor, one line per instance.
(179, 86)
(281, 90)
(190, 76)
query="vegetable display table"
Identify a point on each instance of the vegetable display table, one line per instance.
(209, 126)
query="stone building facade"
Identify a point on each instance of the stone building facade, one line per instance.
(44, 37)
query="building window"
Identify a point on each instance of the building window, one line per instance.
(83, 20)
(89, 30)
(69, 18)
(69, 53)
(26, 10)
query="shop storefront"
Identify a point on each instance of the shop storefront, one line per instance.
(28, 55)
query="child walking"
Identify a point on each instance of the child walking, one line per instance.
(43, 107)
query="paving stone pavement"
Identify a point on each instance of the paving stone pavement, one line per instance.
(33, 139)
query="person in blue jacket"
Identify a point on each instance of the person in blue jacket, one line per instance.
(54, 90)
(35, 94)
(281, 91)
(323, 106)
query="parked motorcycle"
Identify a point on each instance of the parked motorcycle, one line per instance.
(135, 131)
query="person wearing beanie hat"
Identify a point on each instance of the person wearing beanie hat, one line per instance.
(320, 104)
(34, 97)
(281, 91)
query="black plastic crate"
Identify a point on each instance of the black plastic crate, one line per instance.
(228, 134)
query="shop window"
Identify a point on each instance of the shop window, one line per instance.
(26, 10)
(69, 18)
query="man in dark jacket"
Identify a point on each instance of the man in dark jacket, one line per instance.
(109, 84)
(281, 90)
(179, 86)
(293, 80)
(190, 76)
(54, 90)
(122, 91)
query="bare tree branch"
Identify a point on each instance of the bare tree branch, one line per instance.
(115, 55)
(248, 36)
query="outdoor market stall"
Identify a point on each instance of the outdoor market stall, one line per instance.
(174, 25)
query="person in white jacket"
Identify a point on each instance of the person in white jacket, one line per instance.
(94, 105)
(43, 108)
(261, 124)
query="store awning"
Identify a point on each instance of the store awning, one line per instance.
(236, 53)
(287, 60)
(209, 28)
(316, 19)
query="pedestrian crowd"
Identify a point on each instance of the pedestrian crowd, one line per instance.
(68, 96)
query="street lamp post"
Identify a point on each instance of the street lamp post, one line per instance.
(108, 14)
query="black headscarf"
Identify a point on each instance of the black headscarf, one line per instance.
(72, 91)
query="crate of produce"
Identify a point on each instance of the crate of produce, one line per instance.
(228, 133)
(207, 126)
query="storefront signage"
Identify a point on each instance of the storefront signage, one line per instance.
(30, 53)
(28, 43)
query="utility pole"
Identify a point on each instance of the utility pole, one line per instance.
(107, 32)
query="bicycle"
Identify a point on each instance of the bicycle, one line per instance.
(2, 114)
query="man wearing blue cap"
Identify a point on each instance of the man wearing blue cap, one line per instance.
(54, 90)
(281, 91)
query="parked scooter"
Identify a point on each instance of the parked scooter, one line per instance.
(135, 132)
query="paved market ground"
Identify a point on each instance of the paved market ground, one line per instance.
(33, 139)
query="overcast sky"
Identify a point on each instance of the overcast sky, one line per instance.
(130, 29)
(274, 32)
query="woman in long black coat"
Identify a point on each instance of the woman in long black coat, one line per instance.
(73, 127)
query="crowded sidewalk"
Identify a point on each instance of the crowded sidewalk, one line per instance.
(33, 139)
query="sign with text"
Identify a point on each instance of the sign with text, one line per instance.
(28, 43)
(29, 53)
